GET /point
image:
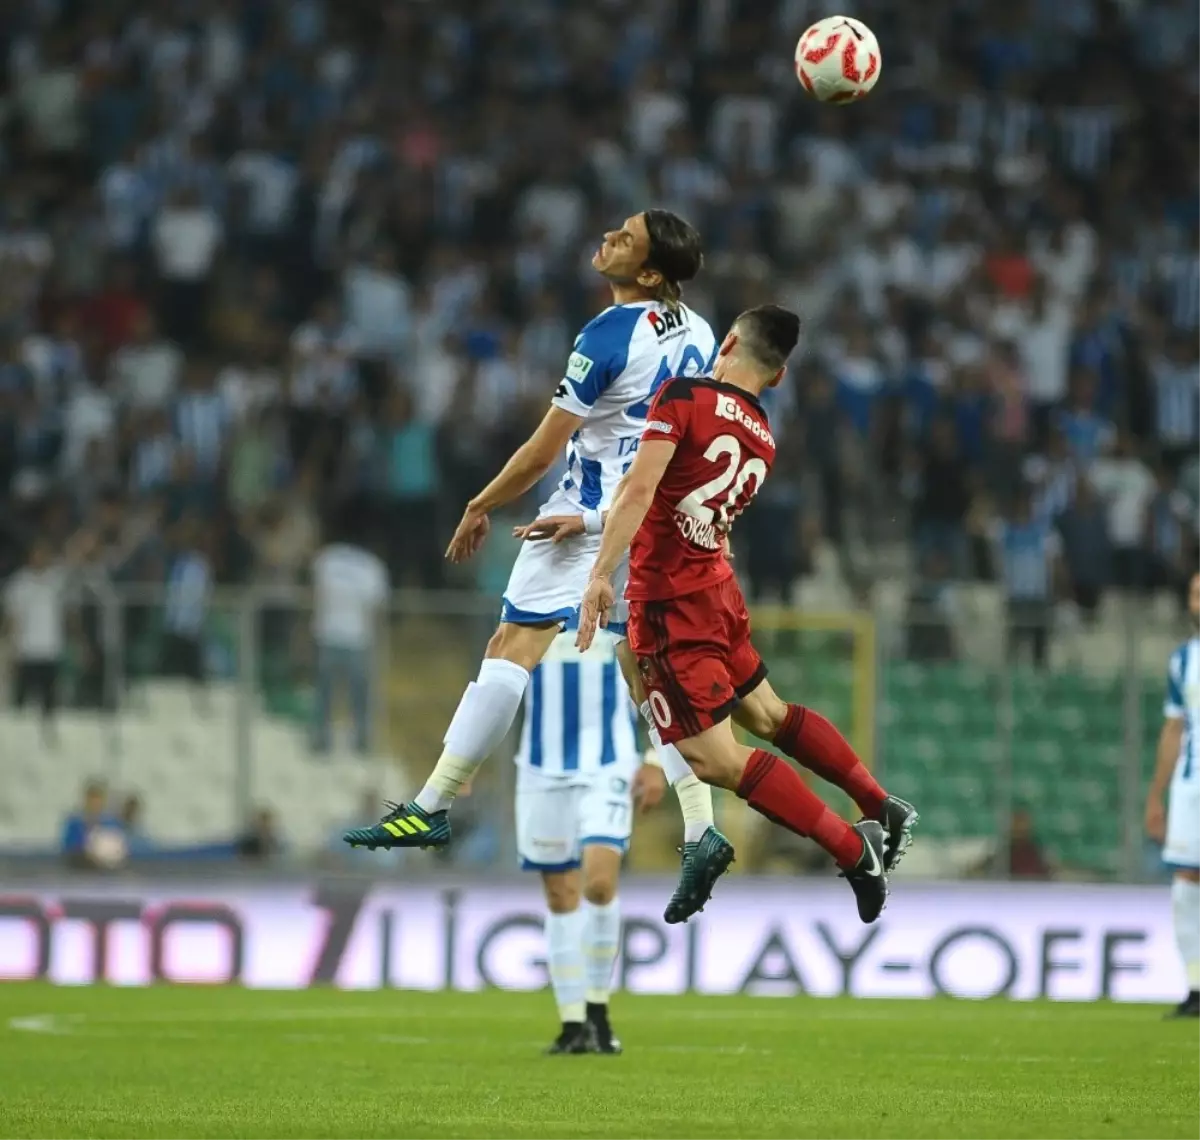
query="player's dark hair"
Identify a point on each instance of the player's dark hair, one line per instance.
(769, 334)
(674, 251)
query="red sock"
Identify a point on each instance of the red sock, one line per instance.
(808, 737)
(774, 789)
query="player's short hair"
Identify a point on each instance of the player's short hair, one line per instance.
(769, 333)
(674, 250)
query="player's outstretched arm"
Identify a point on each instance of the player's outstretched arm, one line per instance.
(1169, 741)
(632, 501)
(528, 464)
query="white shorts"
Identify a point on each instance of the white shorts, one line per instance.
(558, 817)
(1182, 848)
(548, 579)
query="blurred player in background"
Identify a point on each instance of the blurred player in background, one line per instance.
(597, 414)
(579, 777)
(706, 451)
(1177, 826)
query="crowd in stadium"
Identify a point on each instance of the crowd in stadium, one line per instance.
(266, 261)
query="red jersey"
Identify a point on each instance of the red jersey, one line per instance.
(724, 450)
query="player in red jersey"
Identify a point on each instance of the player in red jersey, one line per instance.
(705, 452)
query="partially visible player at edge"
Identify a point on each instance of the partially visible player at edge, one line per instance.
(597, 414)
(1176, 825)
(706, 450)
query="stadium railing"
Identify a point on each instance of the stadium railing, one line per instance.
(1056, 750)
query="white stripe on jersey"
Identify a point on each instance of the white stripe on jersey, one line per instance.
(579, 720)
(621, 359)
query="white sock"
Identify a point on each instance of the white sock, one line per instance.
(482, 720)
(1185, 907)
(695, 797)
(601, 930)
(564, 958)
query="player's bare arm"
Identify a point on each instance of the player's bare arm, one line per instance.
(1169, 741)
(633, 499)
(528, 464)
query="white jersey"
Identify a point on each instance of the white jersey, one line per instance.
(621, 359)
(1181, 848)
(579, 720)
(1183, 703)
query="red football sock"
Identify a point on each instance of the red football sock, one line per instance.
(774, 789)
(808, 737)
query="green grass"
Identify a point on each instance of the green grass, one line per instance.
(229, 1062)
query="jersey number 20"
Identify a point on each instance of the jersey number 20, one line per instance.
(704, 503)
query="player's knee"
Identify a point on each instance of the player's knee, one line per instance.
(562, 893)
(600, 887)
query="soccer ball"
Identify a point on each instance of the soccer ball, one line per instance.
(838, 60)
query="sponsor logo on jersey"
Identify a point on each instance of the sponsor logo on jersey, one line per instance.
(666, 324)
(729, 409)
(660, 425)
(699, 532)
(578, 367)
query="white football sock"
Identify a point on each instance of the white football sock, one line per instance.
(564, 959)
(1185, 907)
(695, 797)
(482, 720)
(601, 930)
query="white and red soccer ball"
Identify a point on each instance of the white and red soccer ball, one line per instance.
(838, 60)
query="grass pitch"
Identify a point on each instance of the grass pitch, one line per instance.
(230, 1062)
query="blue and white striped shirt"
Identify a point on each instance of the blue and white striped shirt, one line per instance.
(189, 585)
(1183, 703)
(201, 421)
(1026, 560)
(579, 719)
(1177, 401)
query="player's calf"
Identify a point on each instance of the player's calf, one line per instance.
(601, 938)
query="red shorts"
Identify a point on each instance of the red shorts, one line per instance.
(695, 658)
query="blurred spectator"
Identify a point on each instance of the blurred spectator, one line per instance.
(93, 838)
(1170, 537)
(1027, 552)
(35, 612)
(350, 595)
(1125, 483)
(260, 840)
(1025, 858)
(1087, 551)
(186, 237)
(410, 477)
(929, 633)
(144, 373)
(942, 497)
(188, 596)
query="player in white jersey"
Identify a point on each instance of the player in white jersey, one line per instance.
(597, 414)
(1177, 826)
(579, 776)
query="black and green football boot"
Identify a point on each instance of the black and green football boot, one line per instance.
(405, 825)
(704, 862)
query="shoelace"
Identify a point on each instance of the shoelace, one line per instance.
(393, 810)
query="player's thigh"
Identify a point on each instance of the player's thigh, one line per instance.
(761, 711)
(627, 660)
(682, 662)
(523, 645)
(1181, 849)
(716, 756)
(747, 670)
(547, 828)
(605, 823)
